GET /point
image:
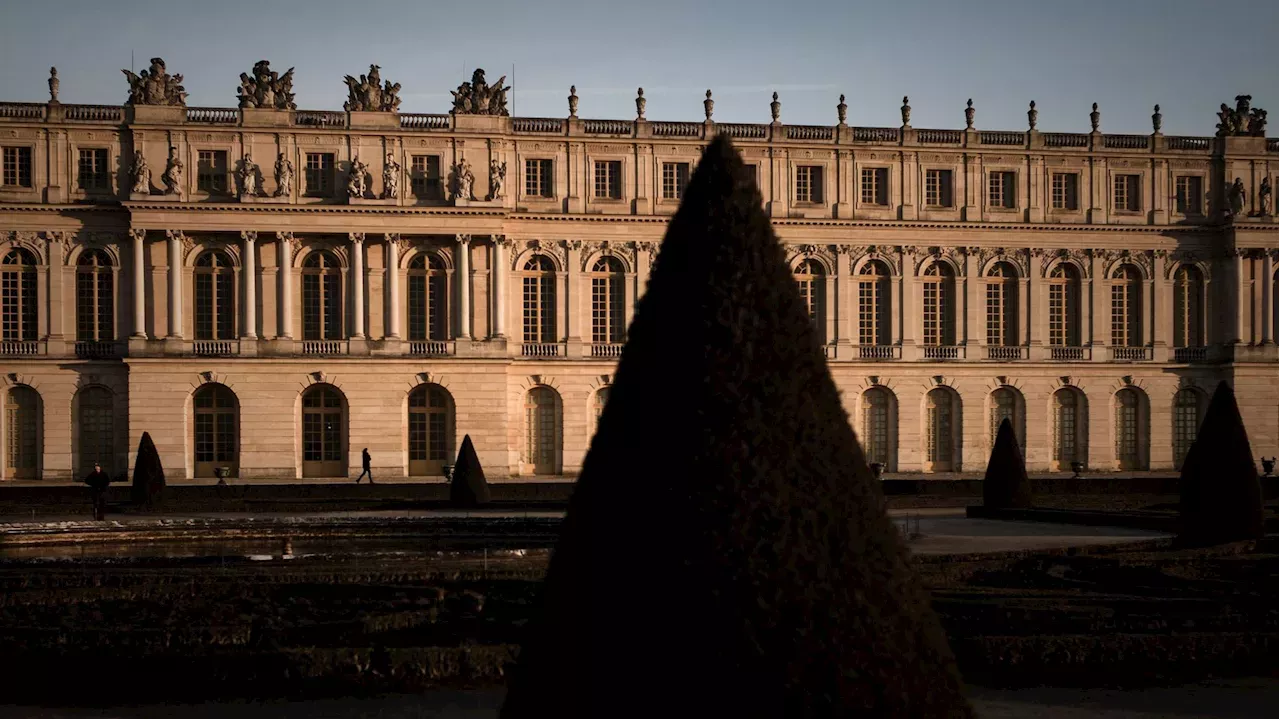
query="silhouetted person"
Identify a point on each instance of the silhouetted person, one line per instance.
(98, 482)
(365, 461)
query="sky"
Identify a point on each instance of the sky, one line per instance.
(1188, 56)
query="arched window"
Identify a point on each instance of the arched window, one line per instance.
(324, 431)
(1126, 307)
(95, 422)
(18, 303)
(22, 433)
(430, 430)
(941, 420)
(812, 285)
(322, 307)
(608, 299)
(542, 431)
(95, 299)
(1187, 412)
(597, 407)
(1188, 312)
(938, 307)
(1064, 306)
(873, 304)
(1002, 305)
(217, 438)
(428, 298)
(1006, 403)
(879, 428)
(1130, 430)
(1069, 431)
(539, 281)
(215, 288)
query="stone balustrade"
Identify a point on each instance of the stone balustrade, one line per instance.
(431, 348)
(607, 127)
(213, 115)
(676, 129)
(424, 122)
(612, 350)
(1131, 354)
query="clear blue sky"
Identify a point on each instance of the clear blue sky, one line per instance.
(1127, 55)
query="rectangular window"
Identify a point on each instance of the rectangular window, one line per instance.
(1190, 194)
(93, 175)
(675, 175)
(211, 171)
(537, 178)
(17, 167)
(319, 176)
(1002, 189)
(1127, 196)
(875, 186)
(424, 177)
(1063, 331)
(608, 179)
(809, 184)
(1065, 191)
(937, 188)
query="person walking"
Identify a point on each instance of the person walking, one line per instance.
(98, 482)
(365, 462)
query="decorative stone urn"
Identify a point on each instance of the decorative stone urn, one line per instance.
(877, 470)
(1268, 466)
(1077, 467)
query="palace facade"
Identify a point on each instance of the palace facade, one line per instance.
(395, 281)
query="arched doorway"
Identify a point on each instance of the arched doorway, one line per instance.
(542, 431)
(22, 433)
(217, 430)
(1006, 403)
(95, 421)
(941, 420)
(1130, 430)
(879, 428)
(1069, 428)
(430, 430)
(324, 432)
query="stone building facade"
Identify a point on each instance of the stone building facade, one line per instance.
(272, 290)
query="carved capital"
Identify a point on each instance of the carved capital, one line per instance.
(137, 235)
(356, 237)
(647, 246)
(249, 235)
(501, 240)
(573, 245)
(912, 250)
(285, 237)
(175, 235)
(464, 240)
(392, 238)
(843, 249)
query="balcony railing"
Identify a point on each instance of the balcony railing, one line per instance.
(943, 352)
(939, 137)
(93, 113)
(540, 349)
(1006, 353)
(606, 127)
(1067, 354)
(537, 124)
(875, 134)
(611, 350)
(22, 110)
(320, 118)
(424, 122)
(676, 129)
(213, 115)
(1199, 144)
(213, 348)
(1001, 138)
(322, 347)
(879, 352)
(1130, 354)
(1190, 354)
(1125, 142)
(19, 347)
(743, 131)
(810, 132)
(1065, 139)
(87, 349)
(431, 348)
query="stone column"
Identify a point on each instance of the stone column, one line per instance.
(498, 277)
(139, 284)
(357, 285)
(1098, 309)
(573, 286)
(908, 310)
(464, 287)
(1158, 314)
(284, 280)
(59, 245)
(175, 283)
(846, 299)
(393, 285)
(974, 334)
(1240, 304)
(1268, 297)
(1037, 318)
(249, 276)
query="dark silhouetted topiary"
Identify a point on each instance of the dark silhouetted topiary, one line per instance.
(1221, 496)
(468, 487)
(1005, 484)
(725, 553)
(148, 474)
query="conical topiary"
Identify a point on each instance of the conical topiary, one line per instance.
(725, 552)
(1221, 496)
(468, 487)
(148, 474)
(1005, 484)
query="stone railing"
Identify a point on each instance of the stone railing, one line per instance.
(810, 132)
(22, 110)
(322, 347)
(19, 347)
(607, 127)
(424, 122)
(1125, 142)
(431, 348)
(875, 134)
(606, 350)
(213, 348)
(879, 352)
(743, 131)
(1001, 138)
(1067, 354)
(939, 137)
(1006, 353)
(537, 124)
(1190, 354)
(1130, 354)
(93, 113)
(540, 349)
(676, 129)
(1198, 144)
(86, 349)
(213, 115)
(943, 352)
(320, 118)
(1065, 139)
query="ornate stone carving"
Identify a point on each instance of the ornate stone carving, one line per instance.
(137, 234)
(775, 108)
(391, 172)
(1081, 257)
(1236, 197)
(1095, 117)
(284, 176)
(890, 255)
(497, 176)
(647, 246)
(573, 245)
(357, 178)
(248, 174)
(369, 94)
(708, 105)
(266, 89)
(479, 97)
(968, 115)
(502, 240)
(640, 103)
(249, 235)
(140, 175)
(573, 101)
(54, 83)
(285, 237)
(155, 86)
(1156, 120)
(1264, 197)
(356, 237)
(906, 112)
(1032, 115)
(842, 111)
(1020, 258)
(463, 239)
(1242, 121)
(173, 173)
(463, 180)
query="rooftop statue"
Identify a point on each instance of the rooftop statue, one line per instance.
(266, 89)
(155, 86)
(479, 97)
(1243, 121)
(369, 94)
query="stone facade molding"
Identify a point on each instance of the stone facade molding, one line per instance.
(26, 240)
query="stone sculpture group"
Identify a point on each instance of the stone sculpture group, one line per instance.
(155, 86)
(1243, 121)
(479, 97)
(369, 94)
(266, 89)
